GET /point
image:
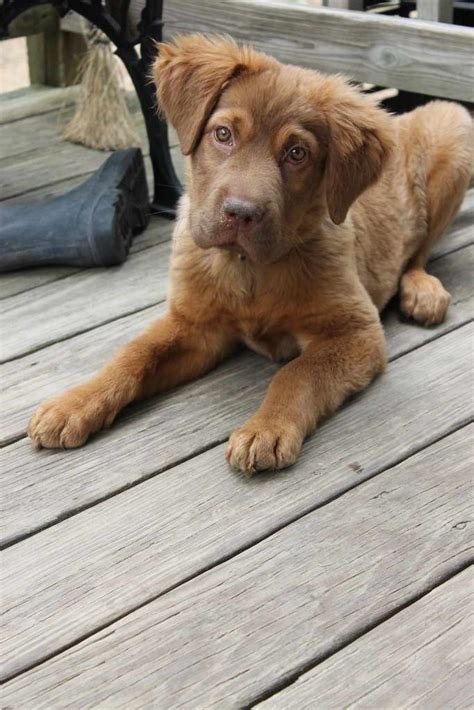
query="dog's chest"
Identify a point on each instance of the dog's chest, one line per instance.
(278, 347)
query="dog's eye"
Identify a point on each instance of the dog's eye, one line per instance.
(223, 134)
(296, 155)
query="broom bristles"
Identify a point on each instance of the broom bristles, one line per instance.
(102, 120)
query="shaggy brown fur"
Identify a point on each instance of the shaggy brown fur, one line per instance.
(307, 209)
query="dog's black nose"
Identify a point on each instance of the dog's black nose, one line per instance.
(242, 211)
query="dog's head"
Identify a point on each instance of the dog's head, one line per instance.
(271, 145)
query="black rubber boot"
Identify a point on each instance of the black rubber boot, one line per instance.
(92, 225)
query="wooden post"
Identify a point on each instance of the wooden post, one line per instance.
(54, 57)
(37, 19)
(432, 58)
(435, 10)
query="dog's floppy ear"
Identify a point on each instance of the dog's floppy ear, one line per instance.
(359, 143)
(191, 73)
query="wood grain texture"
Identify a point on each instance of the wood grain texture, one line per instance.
(178, 523)
(37, 133)
(432, 58)
(15, 282)
(230, 634)
(33, 133)
(22, 173)
(33, 21)
(52, 370)
(48, 191)
(421, 658)
(34, 101)
(82, 301)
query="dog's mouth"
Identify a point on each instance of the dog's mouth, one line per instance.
(243, 242)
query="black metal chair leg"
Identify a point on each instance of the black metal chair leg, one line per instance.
(167, 187)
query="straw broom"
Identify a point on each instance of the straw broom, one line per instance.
(102, 120)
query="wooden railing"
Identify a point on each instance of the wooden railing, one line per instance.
(419, 55)
(425, 57)
(53, 55)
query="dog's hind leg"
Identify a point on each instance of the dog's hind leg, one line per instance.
(447, 138)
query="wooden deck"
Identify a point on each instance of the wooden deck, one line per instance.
(140, 572)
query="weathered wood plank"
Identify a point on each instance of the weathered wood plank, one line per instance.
(52, 369)
(34, 134)
(34, 20)
(227, 636)
(28, 279)
(22, 173)
(50, 190)
(461, 231)
(455, 271)
(82, 301)
(158, 231)
(34, 100)
(432, 58)
(176, 524)
(422, 657)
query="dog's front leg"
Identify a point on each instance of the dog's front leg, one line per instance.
(308, 388)
(169, 352)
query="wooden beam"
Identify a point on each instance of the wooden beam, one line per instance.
(43, 18)
(435, 10)
(425, 57)
(54, 58)
(32, 101)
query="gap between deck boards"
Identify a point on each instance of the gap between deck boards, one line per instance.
(274, 689)
(425, 585)
(286, 695)
(280, 490)
(370, 657)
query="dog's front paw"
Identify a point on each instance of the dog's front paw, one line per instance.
(67, 421)
(423, 297)
(261, 445)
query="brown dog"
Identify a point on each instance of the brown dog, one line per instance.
(307, 209)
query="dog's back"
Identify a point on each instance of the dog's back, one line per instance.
(420, 191)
